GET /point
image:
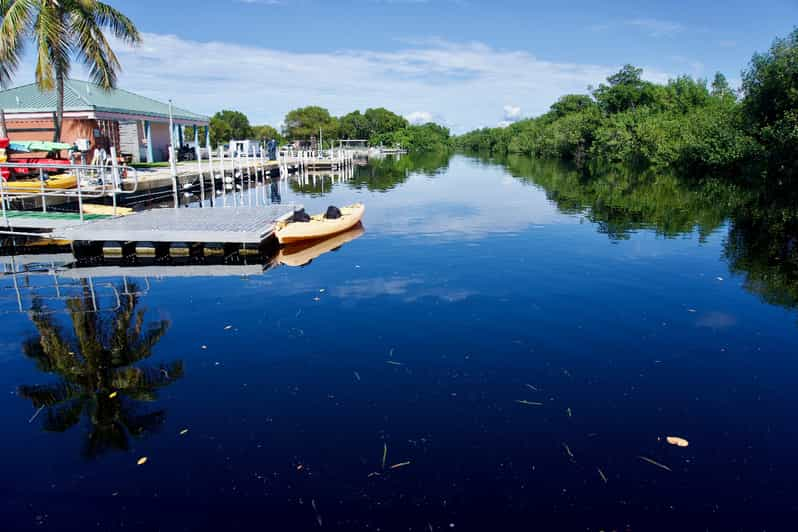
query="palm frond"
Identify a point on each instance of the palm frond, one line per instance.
(63, 417)
(17, 19)
(91, 46)
(120, 26)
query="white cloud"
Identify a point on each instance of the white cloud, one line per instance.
(458, 82)
(656, 27)
(512, 113)
(419, 117)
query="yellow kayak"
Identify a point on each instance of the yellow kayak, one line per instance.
(59, 181)
(319, 226)
(302, 253)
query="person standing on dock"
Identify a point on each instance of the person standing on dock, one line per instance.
(271, 147)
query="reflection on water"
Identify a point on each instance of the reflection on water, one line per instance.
(95, 372)
(507, 341)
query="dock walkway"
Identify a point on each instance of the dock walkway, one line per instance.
(234, 225)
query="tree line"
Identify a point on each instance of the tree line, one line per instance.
(376, 126)
(686, 125)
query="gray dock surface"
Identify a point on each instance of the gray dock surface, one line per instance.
(234, 225)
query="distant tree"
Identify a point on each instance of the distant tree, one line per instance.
(382, 120)
(227, 125)
(62, 31)
(770, 103)
(624, 90)
(572, 103)
(266, 133)
(306, 122)
(354, 126)
(720, 86)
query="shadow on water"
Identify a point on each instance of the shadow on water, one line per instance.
(97, 371)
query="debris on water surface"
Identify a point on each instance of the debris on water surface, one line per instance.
(322, 290)
(316, 299)
(602, 475)
(570, 414)
(654, 462)
(528, 403)
(400, 464)
(183, 432)
(300, 467)
(677, 441)
(36, 414)
(203, 347)
(318, 515)
(112, 395)
(357, 376)
(384, 454)
(393, 363)
(374, 474)
(228, 327)
(142, 460)
(719, 278)
(567, 450)
(692, 310)
(531, 387)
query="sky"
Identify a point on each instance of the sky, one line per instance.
(463, 63)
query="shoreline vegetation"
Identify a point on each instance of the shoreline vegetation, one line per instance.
(683, 126)
(380, 127)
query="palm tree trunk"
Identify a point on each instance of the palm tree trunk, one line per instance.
(3, 129)
(59, 111)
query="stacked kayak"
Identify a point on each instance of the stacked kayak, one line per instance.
(58, 181)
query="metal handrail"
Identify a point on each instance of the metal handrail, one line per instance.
(116, 186)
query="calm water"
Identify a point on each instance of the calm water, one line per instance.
(496, 351)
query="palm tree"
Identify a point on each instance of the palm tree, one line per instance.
(62, 30)
(97, 372)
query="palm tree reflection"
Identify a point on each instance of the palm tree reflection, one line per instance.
(97, 373)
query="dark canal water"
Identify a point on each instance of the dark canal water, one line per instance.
(505, 347)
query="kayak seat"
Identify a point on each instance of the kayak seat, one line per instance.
(300, 216)
(333, 213)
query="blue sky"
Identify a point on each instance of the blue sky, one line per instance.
(465, 63)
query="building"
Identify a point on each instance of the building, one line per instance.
(136, 125)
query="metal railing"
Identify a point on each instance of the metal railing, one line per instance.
(91, 182)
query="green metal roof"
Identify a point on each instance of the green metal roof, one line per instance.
(85, 96)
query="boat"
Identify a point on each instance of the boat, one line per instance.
(302, 253)
(320, 225)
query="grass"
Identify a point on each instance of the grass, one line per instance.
(150, 165)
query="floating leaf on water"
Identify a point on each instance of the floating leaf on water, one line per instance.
(357, 376)
(228, 327)
(374, 474)
(184, 432)
(393, 363)
(528, 403)
(300, 467)
(654, 462)
(602, 475)
(400, 464)
(568, 410)
(142, 460)
(677, 441)
(531, 387)
(384, 454)
(204, 347)
(112, 395)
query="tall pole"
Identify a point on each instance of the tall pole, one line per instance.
(172, 154)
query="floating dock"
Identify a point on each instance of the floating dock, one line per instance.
(229, 225)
